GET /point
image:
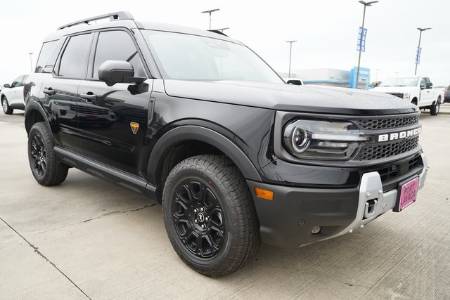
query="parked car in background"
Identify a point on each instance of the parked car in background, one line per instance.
(417, 90)
(12, 95)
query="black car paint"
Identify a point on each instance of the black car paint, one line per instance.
(237, 118)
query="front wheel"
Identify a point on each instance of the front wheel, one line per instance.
(435, 108)
(8, 110)
(45, 166)
(209, 215)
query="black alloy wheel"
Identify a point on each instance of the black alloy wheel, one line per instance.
(38, 155)
(199, 218)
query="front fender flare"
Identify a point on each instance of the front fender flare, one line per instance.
(202, 134)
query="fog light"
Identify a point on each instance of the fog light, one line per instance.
(316, 229)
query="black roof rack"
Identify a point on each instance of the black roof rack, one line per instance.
(120, 15)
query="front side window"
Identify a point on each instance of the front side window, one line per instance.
(47, 57)
(74, 60)
(117, 45)
(191, 57)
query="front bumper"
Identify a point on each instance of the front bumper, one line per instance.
(291, 217)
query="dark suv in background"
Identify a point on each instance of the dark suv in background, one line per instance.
(201, 123)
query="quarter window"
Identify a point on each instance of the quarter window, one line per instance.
(117, 45)
(74, 60)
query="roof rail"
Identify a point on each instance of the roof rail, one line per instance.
(120, 15)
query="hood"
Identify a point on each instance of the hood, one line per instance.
(393, 89)
(284, 97)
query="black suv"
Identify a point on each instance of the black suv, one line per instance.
(200, 122)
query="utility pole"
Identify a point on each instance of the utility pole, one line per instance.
(31, 61)
(361, 37)
(290, 55)
(419, 50)
(210, 13)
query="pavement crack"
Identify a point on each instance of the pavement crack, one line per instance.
(42, 255)
(115, 212)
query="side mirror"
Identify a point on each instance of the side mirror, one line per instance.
(6, 85)
(423, 86)
(117, 71)
(295, 82)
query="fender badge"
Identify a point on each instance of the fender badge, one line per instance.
(134, 127)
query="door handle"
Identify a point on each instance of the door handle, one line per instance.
(89, 96)
(49, 91)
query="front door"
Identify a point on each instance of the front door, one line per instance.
(113, 120)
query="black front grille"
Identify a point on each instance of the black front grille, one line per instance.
(379, 151)
(393, 173)
(388, 123)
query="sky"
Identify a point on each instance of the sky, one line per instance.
(326, 31)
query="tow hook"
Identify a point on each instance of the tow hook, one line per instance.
(369, 209)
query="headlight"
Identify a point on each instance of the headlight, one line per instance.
(321, 140)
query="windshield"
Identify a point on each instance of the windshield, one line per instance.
(406, 81)
(191, 57)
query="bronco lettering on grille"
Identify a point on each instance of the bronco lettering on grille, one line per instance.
(398, 135)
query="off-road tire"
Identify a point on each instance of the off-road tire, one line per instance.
(8, 110)
(241, 233)
(55, 171)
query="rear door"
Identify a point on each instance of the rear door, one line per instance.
(61, 90)
(113, 120)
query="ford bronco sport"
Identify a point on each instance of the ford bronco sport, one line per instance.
(201, 123)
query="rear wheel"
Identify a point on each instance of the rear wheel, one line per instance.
(45, 166)
(8, 110)
(209, 216)
(435, 108)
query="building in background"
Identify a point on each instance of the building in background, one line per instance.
(332, 77)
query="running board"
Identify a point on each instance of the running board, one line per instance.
(104, 171)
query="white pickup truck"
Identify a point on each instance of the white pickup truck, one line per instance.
(417, 90)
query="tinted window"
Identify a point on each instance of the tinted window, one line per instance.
(47, 57)
(75, 57)
(117, 45)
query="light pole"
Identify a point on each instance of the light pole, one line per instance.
(365, 4)
(418, 47)
(31, 61)
(290, 55)
(210, 12)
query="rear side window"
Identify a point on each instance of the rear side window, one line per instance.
(74, 60)
(47, 57)
(117, 45)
